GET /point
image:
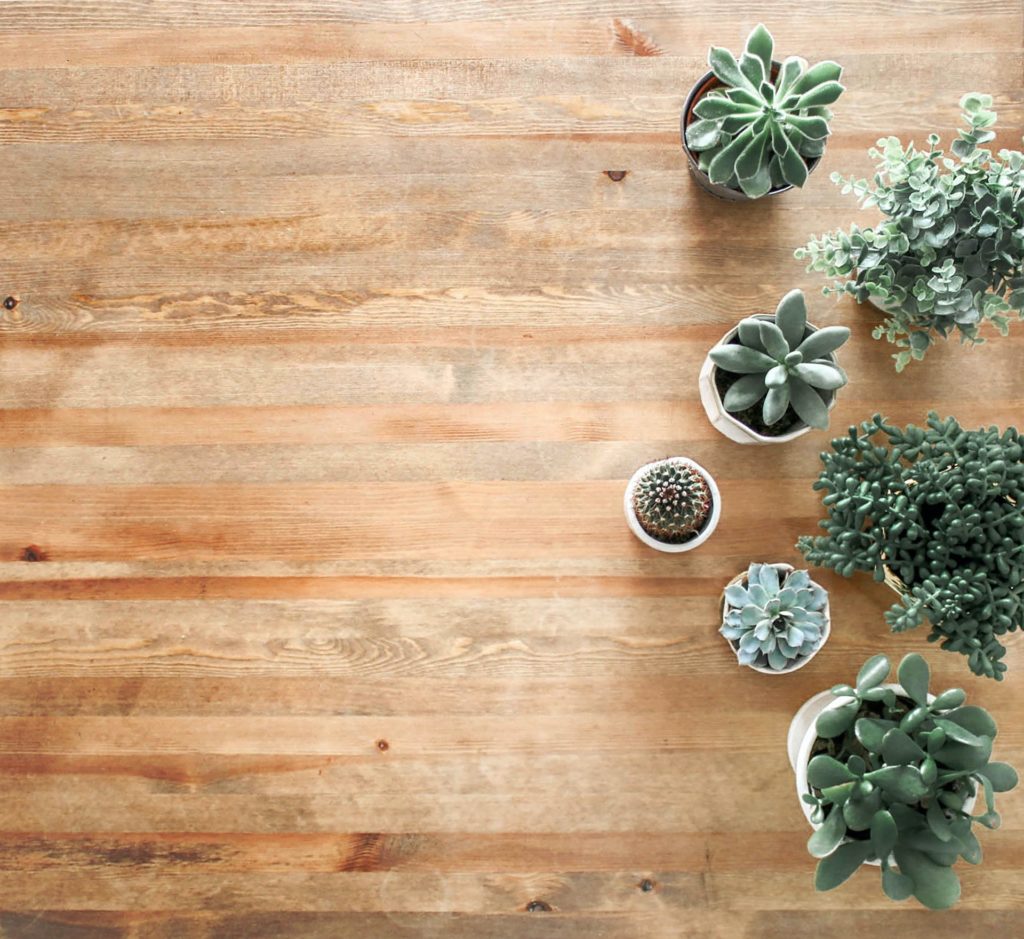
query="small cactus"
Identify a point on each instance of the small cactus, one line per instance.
(672, 501)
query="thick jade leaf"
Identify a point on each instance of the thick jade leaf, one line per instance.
(841, 864)
(859, 812)
(975, 719)
(1002, 776)
(935, 885)
(962, 756)
(883, 833)
(913, 675)
(871, 731)
(827, 838)
(824, 771)
(897, 886)
(836, 721)
(900, 783)
(898, 749)
(955, 731)
(874, 671)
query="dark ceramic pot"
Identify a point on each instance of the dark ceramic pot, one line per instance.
(706, 84)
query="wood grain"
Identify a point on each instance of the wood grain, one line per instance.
(334, 331)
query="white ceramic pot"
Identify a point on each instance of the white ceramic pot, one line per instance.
(709, 526)
(784, 570)
(722, 420)
(803, 734)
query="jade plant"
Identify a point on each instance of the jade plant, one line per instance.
(774, 622)
(672, 501)
(783, 365)
(949, 253)
(757, 129)
(936, 512)
(893, 778)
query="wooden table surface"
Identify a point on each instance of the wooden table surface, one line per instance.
(337, 329)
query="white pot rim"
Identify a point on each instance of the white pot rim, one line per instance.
(722, 420)
(709, 526)
(796, 664)
(803, 734)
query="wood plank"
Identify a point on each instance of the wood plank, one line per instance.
(334, 330)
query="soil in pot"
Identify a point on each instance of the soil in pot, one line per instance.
(751, 417)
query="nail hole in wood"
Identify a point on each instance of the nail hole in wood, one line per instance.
(33, 553)
(382, 745)
(538, 906)
(616, 176)
(10, 303)
(646, 885)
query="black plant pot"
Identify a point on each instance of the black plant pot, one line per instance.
(701, 88)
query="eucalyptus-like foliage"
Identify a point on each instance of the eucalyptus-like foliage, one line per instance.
(939, 513)
(782, 364)
(949, 254)
(774, 622)
(758, 129)
(895, 782)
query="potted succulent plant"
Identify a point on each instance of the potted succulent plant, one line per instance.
(757, 127)
(772, 378)
(672, 505)
(937, 513)
(888, 775)
(949, 253)
(775, 618)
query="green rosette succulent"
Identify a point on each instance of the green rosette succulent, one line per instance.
(757, 130)
(783, 365)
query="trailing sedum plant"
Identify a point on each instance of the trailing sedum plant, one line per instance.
(672, 501)
(893, 780)
(949, 254)
(938, 514)
(771, 622)
(758, 130)
(782, 365)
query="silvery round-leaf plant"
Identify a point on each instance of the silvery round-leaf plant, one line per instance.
(774, 622)
(949, 254)
(758, 130)
(892, 779)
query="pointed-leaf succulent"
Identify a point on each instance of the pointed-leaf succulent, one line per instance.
(784, 364)
(892, 778)
(757, 130)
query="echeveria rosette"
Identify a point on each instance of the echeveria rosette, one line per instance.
(938, 513)
(782, 365)
(896, 783)
(756, 132)
(774, 622)
(949, 254)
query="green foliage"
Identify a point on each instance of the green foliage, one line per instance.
(672, 501)
(757, 130)
(950, 252)
(783, 364)
(895, 781)
(937, 512)
(774, 623)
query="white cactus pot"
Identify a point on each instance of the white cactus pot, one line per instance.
(803, 734)
(784, 570)
(697, 540)
(722, 420)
